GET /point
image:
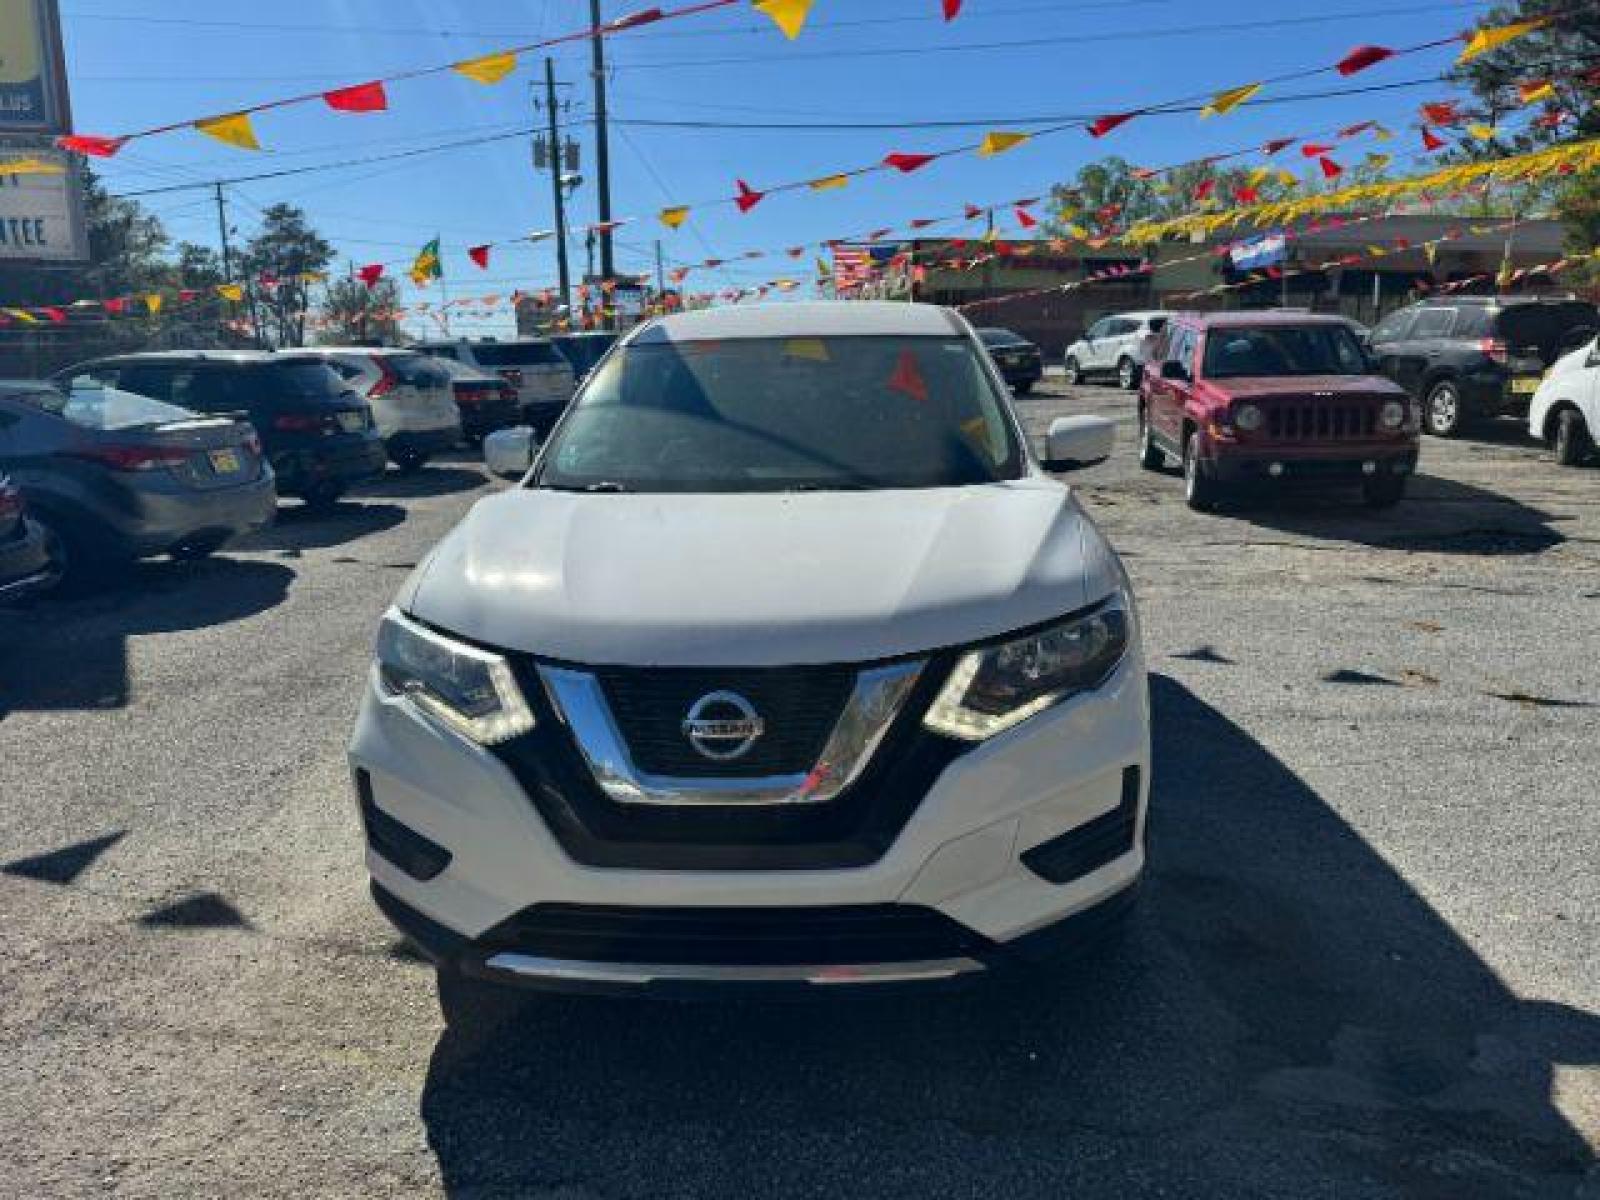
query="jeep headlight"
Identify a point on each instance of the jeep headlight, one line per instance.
(994, 688)
(472, 691)
(1247, 417)
(1392, 415)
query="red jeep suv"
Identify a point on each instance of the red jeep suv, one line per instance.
(1262, 396)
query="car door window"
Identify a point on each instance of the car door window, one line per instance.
(214, 391)
(1394, 327)
(1433, 323)
(1098, 329)
(1122, 327)
(152, 381)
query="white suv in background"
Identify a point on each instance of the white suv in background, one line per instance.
(1115, 347)
(411, 396)
(1565, 411)
(540, 373)
(786, 664)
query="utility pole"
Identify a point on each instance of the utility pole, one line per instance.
(988, 259)
(563, 270)
(222, 228)
(602, 154)
(661, 274)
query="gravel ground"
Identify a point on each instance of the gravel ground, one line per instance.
(1367, 963)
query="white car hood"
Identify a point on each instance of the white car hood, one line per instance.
(761, 580)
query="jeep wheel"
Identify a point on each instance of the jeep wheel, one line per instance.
(1074, 372)
(1383, 491)
(1442, 414)
(1200, 491)
(1571, 441)
(1127, 374)
(1151, 456)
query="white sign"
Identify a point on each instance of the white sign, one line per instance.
(41, 215)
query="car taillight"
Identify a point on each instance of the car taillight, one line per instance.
(387, 381)
(135, 458)
(513, 377)
(297, 423)
(468, 395)
(1495, 350)
(10, 500)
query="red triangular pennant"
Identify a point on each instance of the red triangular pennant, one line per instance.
(907, 379)
(908, 162)
(1104, 125)
(1431, 141)
(86, 143)
(1026, 219)
(370, 274)
(1330, 169)
(362, 98)
(1363, 57)
(479, 255)
(1277, 144)
(748, 197)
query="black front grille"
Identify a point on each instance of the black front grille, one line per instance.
(844, 934)
(1322, 422)
(799, 706)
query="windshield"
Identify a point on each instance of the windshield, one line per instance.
(1000, 337)
(1284, 350)
(775, 414)
(517, 354)
(94, 406)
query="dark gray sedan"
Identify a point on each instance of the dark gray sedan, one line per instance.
(112, 476)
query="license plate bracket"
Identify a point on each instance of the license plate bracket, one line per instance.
(1526, 385)
(224, 462)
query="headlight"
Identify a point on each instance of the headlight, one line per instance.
(1392, 415)
(1247, 417)
(992, 689)
(470, 690)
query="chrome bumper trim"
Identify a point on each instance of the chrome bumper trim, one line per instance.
(579, 971)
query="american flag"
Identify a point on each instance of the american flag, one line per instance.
(854, 266)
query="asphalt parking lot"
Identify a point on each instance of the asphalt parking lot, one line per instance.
(1366, 964)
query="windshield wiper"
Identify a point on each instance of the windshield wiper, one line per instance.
(606, 485)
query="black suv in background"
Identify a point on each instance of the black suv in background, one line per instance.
(1464, 357)
(1019, 360)
(316, 432)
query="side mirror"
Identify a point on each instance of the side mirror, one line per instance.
(1594, 355)
(1077, 442)
(509, 453)
(1172, 369)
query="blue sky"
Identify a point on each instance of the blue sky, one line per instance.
(135, 64)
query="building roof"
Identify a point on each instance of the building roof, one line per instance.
(839, 318)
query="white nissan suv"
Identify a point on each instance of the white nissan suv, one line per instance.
(786, 664)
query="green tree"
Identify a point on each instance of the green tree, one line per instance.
(277, 260)
(1111, 193)
(353, 312)
(1566, 52)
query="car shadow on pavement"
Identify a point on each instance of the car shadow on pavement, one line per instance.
(1437, 516)
(1286, 1017)
(430, 481)
(67, 654)
(299, 528)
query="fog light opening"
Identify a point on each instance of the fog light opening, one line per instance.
(1369, 468)
(1275, 470)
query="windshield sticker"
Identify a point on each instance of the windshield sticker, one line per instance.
(907, 378)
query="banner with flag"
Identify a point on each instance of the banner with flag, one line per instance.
(427, 265)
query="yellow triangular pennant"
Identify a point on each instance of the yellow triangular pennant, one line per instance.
(491, 68)
(675, 216)
(230, 291)
(1229, 100)
(999, 141)
(234, 129)
(1484, 40)
(152, 302)
(829, 182)
(788, 15)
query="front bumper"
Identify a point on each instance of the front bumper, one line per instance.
(1233, 463)
(1015, 836)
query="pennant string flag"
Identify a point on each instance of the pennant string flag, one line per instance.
(673, 217)
(1484, 40)
(489, 69)
(1226, 102)
(1361, 58)
(999, 141)
(362, 98)
(234, 129)
(788, 15)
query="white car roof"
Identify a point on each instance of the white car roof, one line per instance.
(843, 318)
(372, 350)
